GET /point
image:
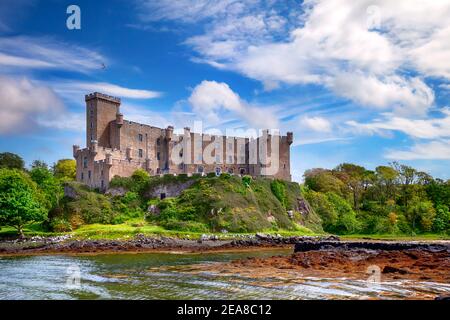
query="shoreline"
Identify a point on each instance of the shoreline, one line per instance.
(144, 244)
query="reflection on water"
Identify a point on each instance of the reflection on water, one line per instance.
(171, 276)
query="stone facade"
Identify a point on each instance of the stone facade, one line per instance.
(115, 146)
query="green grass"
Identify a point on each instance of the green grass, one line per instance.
(131, 228)
(430, 236)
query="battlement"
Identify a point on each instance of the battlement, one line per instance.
(102, 96)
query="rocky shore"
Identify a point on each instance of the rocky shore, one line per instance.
(370, 261)
(142, 243)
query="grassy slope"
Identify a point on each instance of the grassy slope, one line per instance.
(219, 203)
(226, 203)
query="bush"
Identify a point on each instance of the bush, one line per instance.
(247, 180)
(186, 226)
(60, 225)
(279, 190)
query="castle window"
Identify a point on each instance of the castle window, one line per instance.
(158, 156)
(101, 172)
(230, 146)
(200, 169)
(199, 157)
(230, 159)
(85, 160)
(82, 176)
(103, 184)
(217, 158)
(140, 137)
(284, 166)
(158, 141)
(141, 153)
(89, 174)
(181, 153)
(92, 125)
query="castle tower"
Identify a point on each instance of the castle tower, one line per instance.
(101, 110)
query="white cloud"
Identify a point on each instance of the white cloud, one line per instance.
(433, 150)
(404, 97)
(360, 50)
(47, 53)
(417, 128)
(318, 124)
(212, 100)
(77, 87)
(24, 103)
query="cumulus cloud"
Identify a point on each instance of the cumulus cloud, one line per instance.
(213, 100)
(318, 124)
(24, 104)
(433, 150)
(359, 50)
(434, 128)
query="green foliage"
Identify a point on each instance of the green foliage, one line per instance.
(323, 207)
(392, 199)
(48, 184)
(279, 190)
(247, 180)
(65, 169)
(20, 200)
(346, 217)
(225, 202)
(442, 219)
(11, 161)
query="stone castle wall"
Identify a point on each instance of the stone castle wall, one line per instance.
(115, 146)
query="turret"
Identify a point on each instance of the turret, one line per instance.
(169, 133)
(94, 147)
(119, 119)
(290, 138)
(75, 149)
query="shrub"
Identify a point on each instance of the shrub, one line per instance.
(279, 190)
(60, 225)
(186, 226)
(247, 180)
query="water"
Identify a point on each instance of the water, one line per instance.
(179, 276)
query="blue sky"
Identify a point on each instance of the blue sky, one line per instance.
(365, 82)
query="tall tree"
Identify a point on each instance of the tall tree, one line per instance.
(65, 169)
(11, 161)
(386, 178)
(353, 176)
(20, 200)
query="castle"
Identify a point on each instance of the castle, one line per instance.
(115, 146)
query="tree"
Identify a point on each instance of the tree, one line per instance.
(20, 200)
(319, 202)
(322, 180)
(65, 169)
(39, 164)
(386, 177)
(407, 176)
(49, 185)
(353, 176)
(442, 219)
(420, 212)
(346, 222)
(11, 161)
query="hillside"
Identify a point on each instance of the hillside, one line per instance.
(192, 204)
